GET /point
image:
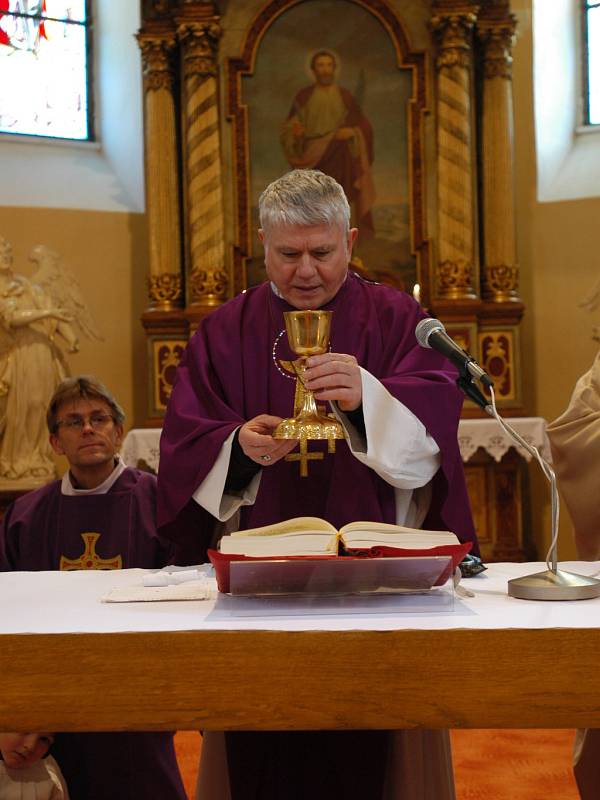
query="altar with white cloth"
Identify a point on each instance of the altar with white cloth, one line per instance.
(70, 662)
(494, 469)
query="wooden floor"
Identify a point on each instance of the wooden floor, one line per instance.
(513, 764)
(488, 764)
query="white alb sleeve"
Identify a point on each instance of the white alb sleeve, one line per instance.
(397, 446)
(211, 493)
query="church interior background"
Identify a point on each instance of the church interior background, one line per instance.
(157, 218)
(182, 90)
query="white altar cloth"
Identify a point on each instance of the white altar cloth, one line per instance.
(142, 444)
(69, 602)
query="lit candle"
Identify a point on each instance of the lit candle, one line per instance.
(417, 292)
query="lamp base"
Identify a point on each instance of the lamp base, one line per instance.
(549, 585)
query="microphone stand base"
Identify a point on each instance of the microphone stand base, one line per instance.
(549, 585)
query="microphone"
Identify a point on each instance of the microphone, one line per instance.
(431, 333)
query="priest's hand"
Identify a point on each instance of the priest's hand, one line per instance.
(336, 377)
(256, 440)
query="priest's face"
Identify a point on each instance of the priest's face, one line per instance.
(20, 750)
(308, 264)
(87, 434)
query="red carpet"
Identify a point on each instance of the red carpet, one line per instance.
(488, 764)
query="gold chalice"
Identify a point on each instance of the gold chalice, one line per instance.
(308, 335)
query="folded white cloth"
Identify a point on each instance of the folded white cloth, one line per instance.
(201, 588)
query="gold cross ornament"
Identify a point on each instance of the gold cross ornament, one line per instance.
(90, 559)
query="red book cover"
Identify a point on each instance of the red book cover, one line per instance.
(221, 561)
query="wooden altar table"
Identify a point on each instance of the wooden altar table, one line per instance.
(69, 662)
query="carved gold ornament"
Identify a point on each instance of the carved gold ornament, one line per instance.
(208, 287)
(167, 355)
(497, 38)
(501, 282)
(455, 278)
(157, 64)
(453, 32)
(164, 289)
(200, 41)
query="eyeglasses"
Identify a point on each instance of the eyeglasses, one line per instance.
(96, 421)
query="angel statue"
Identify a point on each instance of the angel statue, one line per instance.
(36, 314)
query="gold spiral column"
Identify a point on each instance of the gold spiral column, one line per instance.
(207, 277)
(500, 270)
(457, 241)
(162, 173)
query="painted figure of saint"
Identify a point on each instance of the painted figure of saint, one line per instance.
(327, 130)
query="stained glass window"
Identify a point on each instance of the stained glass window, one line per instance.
(591, 65)
(44, 68)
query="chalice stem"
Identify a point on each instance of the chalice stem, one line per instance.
(300, 368)
(309, 407)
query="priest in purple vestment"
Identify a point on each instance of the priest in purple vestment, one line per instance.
(101, 515)
(400, 463)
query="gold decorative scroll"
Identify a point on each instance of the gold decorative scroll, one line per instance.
(165, 290)
(501, 282)
(497, 357)
(166, 354)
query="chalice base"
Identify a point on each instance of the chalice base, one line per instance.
(309, 426)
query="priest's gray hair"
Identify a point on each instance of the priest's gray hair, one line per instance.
(81, 387)
(304, 197)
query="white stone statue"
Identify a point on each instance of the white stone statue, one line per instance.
(37, 315)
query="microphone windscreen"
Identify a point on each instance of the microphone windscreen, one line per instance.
(425, 328)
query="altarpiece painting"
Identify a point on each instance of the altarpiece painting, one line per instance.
(335, 89)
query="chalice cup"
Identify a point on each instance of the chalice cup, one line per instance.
(308, 335)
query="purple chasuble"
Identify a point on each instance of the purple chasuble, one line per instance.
(227, 376)
(45, 526)
(39, 530)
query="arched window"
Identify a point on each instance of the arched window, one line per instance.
(45, 74)
(591, 62)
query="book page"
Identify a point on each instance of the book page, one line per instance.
(287, 544)
(356, 535)
(385, 528)
(296, 525)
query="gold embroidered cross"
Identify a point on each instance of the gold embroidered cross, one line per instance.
(90, 559)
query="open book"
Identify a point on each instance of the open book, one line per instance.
(303, 543)
(311, 536)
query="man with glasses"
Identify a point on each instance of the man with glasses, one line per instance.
(100, 515)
